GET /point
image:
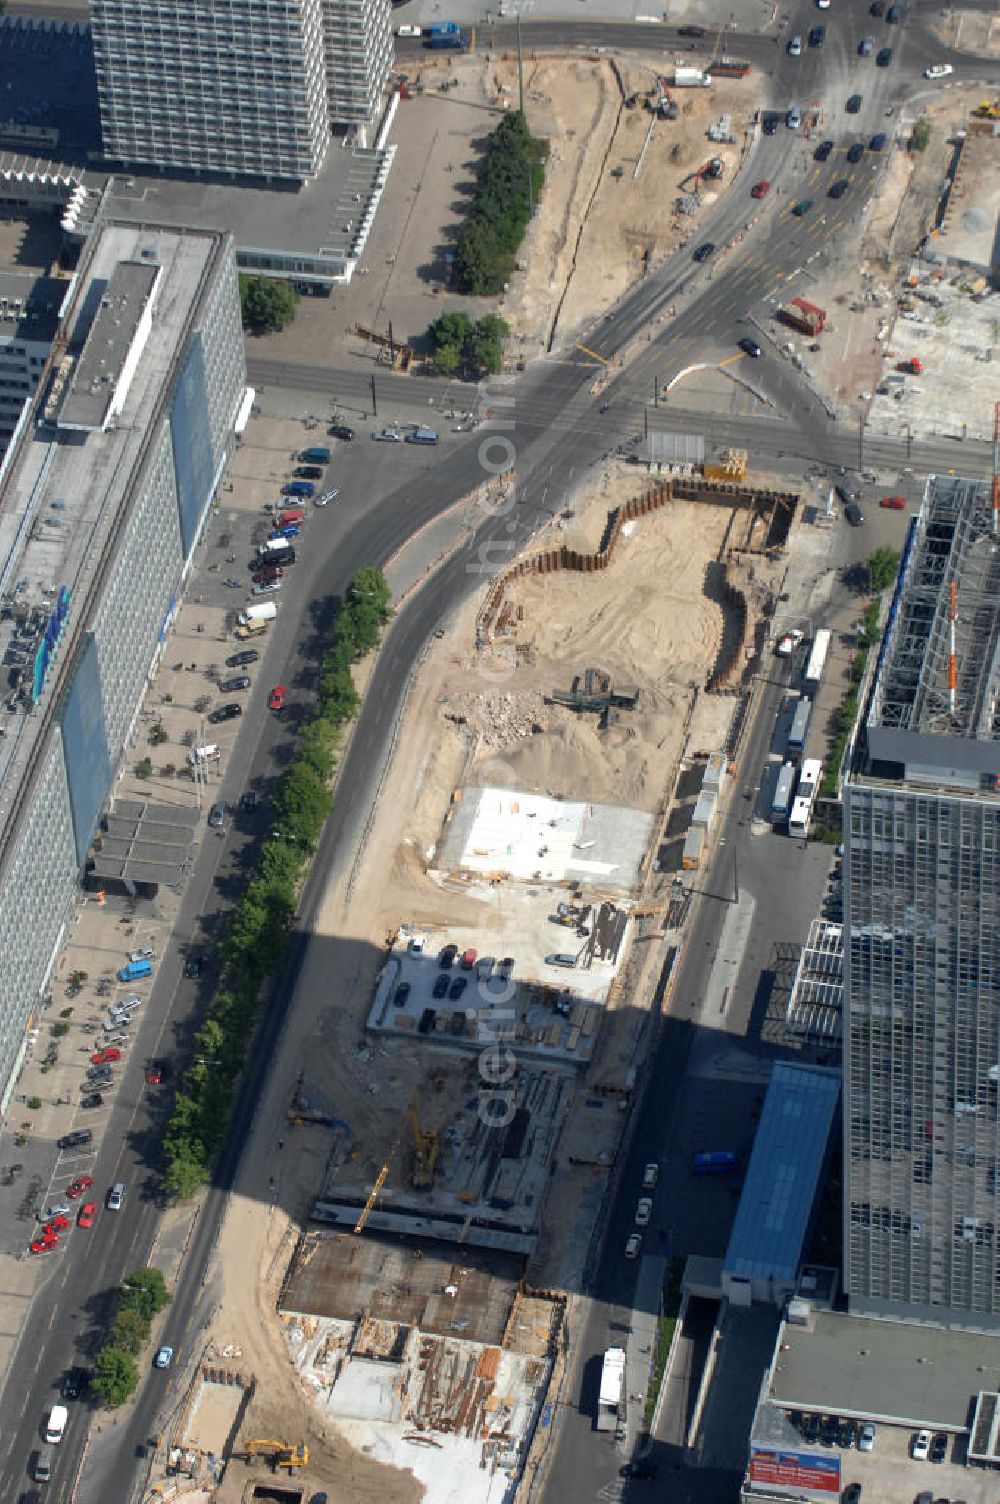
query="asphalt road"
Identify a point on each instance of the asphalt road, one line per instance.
(556, 434)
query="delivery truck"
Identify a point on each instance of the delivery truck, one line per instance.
(265, 612)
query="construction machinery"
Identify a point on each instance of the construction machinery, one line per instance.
(709, 171)
(426, 1147)
(989, 109)
(380, 1179)
(911, 367)
(279, 1453)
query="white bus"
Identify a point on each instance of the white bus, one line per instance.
(817, 659)
(804, 802)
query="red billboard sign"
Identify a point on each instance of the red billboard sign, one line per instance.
(796, 1471)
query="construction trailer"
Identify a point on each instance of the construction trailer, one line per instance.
(689, 78)
(729, 67)
(807, 318)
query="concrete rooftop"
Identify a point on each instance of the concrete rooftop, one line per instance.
(903, 1374)
(536, 839)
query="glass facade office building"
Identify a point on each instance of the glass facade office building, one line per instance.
(922, 936)
(130, 435)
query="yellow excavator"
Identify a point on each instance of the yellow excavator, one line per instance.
(279, 1452)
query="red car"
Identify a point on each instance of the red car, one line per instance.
(58, 1224)
(105, 1056)
(759, 189)
(43, 1245)
(87, 1213)
(277, 698)
(155, 1072)
(83, 1183)
(894, 503)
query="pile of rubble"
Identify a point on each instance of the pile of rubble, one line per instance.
(499, 717)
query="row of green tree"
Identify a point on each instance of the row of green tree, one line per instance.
(883, 567)
(467, 348)
(255, 943)
(510, 180)
(139, 1299)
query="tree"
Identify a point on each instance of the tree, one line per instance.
(130, 1331)
(447, 359)
(485, 346)
(450, 329)
(116, 1377)
(266, 304)
(920, 135)
(883, 566)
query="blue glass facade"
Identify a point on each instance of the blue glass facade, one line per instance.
(88, 761)
(190, 435)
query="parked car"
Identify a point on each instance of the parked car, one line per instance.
(235, 684)
(877, 142)
(92, 1099)
(883, 57)
(241, 659)
(822, 151)
(769, 122)
(457, 987)
(441, 984)
(80, 1184)
(894, 503)
(854, 104)
(106, 1056)
(58, 1209)
(100, 1073)
(839, 188)
(308, 472)
(217, 815)
(866, 46)
(387, 436)
(44, 1245)
(759, 190)
(920, 1446)
(341, 431)
(447, 955)
(802, 207)
(855, 152)
(811, 1427)
(793, 118)
(505, 970)
(57, 1224)
(828, 1435)
(401, 994)
(939, 1446)
(851, 1494)
(226, 712)
(846, 1434)
(854, 515)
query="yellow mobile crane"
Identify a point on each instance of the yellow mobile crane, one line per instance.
(426, 1148)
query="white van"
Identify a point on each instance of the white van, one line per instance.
(209, 753)
(267, 611)
(55, 1426)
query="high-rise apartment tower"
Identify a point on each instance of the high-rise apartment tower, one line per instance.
(249, 88)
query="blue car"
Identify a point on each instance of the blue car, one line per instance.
(298, 488)
(290, 530)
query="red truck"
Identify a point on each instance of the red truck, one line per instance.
(806, 317)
